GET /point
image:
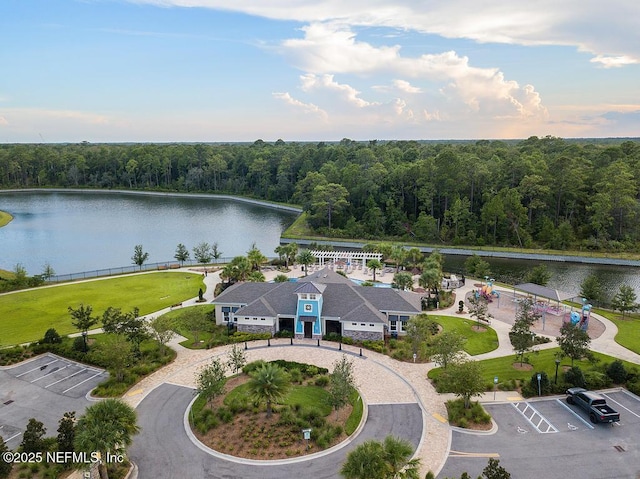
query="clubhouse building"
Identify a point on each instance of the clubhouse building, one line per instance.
(321, 303)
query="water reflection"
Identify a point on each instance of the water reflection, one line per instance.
(80, 232)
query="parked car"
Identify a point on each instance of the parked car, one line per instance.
(594, 405)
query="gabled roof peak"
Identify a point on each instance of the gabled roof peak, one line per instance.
(310, 287)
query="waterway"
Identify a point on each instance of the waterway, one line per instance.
(84, 231)
(90, 230)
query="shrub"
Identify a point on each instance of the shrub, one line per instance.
(295, 375)
(335, 337)
(575, 377)
(252, 366)
(617, 372)
(51, 337)
(461, 417)
(596, 380)
(79, 344)
(377, 346)
(322, 381)
(224, 414)
(284, 334)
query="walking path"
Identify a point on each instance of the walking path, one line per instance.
(380, 379)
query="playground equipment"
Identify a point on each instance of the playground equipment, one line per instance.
(581, 319)
(487, 291)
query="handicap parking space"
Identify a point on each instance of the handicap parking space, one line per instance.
(43, 388)
(558, 435)
(59, 375)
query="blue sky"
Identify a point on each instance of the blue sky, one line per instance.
(216, 70)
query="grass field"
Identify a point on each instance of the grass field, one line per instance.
(477, 342)
(26, 315)
(544, 360)
(628, 328)
(5, 218)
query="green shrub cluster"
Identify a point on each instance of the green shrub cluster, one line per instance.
(337, 338)
(461, 417)
(377, 346)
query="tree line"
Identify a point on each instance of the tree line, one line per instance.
(539, 192)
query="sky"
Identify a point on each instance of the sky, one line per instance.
(317, 70)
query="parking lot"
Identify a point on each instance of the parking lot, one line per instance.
(43, 388)
(549, 438)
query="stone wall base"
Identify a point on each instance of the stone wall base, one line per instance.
(363, 335)
(256, 328)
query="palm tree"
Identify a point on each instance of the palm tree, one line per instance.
(256, 277)
(402, 281)
(291, 252)
(373, 265)
(106, 427)
(388, 460)
(255, 257)
(306, 258)
(269, 383)
(399, 255)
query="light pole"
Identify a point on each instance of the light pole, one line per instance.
(84, 338)
(557, 364)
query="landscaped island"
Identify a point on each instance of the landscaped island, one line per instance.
(276, 410)
(5, 218)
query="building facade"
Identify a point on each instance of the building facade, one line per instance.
(321, 303)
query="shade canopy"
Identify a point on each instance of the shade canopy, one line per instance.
(544, 292)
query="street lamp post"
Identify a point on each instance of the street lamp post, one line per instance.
(84, 338)
(557, 364)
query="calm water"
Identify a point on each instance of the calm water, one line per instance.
(565, 277)
(87, 231)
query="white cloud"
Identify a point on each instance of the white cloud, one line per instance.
(606, 29)
(332, 49)
(406, 87)
(311, 82)
(613, 62)
(306, 107)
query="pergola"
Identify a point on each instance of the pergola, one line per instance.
(351, 259)
(547, 293)
(544, 292)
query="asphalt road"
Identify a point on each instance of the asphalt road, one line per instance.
(549, 439)
(44, 388)
(163, 448)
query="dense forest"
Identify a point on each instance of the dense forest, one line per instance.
(540, 192)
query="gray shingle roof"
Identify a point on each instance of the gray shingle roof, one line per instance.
(341, 298)
(310, 287)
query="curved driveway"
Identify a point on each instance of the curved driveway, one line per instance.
(163, 448)
(397, 395)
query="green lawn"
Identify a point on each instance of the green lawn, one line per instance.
(306, 396)
(628, 328)
(544, 360)
(26, 315)
(477, 342)
(204, 336)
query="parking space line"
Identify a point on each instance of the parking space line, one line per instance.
(622, 406)
(65, 378)
(12, 437)
(35, 369)
(590, 426)
(42, 377)
(81, 382)
(534, 412)
(630, 394)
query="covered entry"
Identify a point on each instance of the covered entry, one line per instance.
(332, 326)
(286, 324)
(308, 322)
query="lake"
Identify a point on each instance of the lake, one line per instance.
(86, 231)
(83, 231)
(565, 276)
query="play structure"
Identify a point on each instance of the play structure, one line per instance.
(487, 291)
(580, 318)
